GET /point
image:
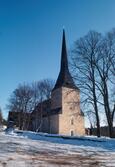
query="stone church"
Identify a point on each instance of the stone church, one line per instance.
(61, 114)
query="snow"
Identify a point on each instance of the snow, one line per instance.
(30, 149)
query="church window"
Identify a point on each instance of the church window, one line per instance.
(72, 121)
(72, 133)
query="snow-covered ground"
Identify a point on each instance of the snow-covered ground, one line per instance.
(27, 149)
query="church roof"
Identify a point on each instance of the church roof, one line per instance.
(46, 109)
(64, 79)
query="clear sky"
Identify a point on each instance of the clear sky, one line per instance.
(30, 36)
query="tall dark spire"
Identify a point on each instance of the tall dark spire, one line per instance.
(64, 61)
(64, 78)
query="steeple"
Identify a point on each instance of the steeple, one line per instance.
(64, 79)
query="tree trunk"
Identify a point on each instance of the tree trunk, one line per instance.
(107, 110)
(97, 119)
(95, 101)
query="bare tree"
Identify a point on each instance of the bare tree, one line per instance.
(48, 85)
(93, 65)
(21, 102)
(43, 89)
(26, 98)
(105, 67)
(84, 55)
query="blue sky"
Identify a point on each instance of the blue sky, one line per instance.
(30, 36)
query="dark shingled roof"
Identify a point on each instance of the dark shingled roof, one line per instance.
(64, 78)
(46, 109)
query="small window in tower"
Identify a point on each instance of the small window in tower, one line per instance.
(72, 121)
(72, 133)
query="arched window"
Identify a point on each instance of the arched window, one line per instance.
(72, 133)
(72, 121)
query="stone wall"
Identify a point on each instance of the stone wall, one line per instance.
(56, 98)
(50, 124)
(54, 124)
(71, 121)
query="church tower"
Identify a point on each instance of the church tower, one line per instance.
(66, 97)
